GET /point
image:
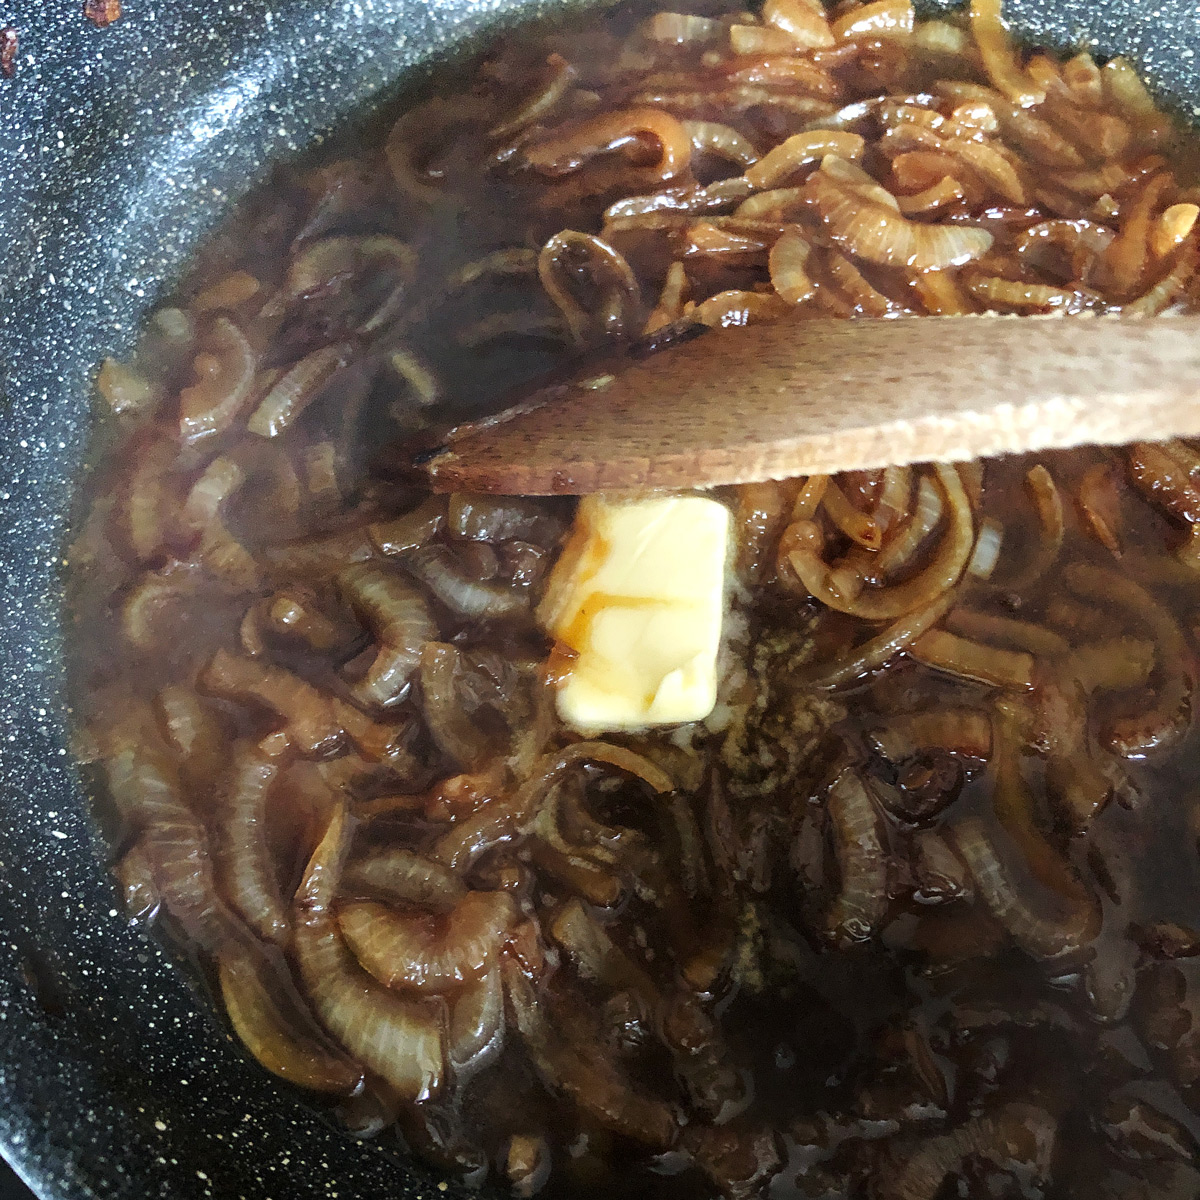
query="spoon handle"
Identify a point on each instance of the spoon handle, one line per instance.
(794, 398)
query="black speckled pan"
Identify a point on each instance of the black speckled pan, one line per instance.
(119, 148)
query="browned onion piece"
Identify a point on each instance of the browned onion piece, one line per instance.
(1164, 476)
(1044, 934)
(712, 137)
(226, 560)
(295, 612)
(596, 956)
(415, 528)
(456, 731)
(573, 146)
(224, 373)
(1156, 298)
(965, 731)
(863, 226)
(973, 660)
(296, 389)
(401, 1040)
(443, 573)
(242, 854)
(570, 254)
(481, 518)
(396, 873)
(805, 23)
(275, 1027)
(428, 952)
(888, 603)
(1018, 1136)
(880, 19)
(682, 29)
(1127, 257)
(399, 619)
(878, 650)
(1169, 714)
(135, 877)
(578, 1067)
(476, 1030)
(990, 32)
(220, 480)
(420, 133)
(146, 789)
(306, 713)
(802, 150)
(1112, 665)
(861, 901)
(543, 101)
(127, 391)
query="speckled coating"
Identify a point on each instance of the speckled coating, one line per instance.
(118, 149)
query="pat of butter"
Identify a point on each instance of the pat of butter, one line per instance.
(637, 600)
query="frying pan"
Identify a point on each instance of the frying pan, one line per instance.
(119, 149)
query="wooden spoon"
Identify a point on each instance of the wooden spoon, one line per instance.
(793, 398)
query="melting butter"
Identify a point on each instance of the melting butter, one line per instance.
(636, 601)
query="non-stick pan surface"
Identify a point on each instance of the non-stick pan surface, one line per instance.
(119, 148)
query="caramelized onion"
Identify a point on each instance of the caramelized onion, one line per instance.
(223, 373)
(401, 624)
(861, 901)
(401, 1040)
(428, 952)
(306, 712)
(242, 852)
(275, 1027)
(879, 233)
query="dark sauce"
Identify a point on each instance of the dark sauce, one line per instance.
(927, 931)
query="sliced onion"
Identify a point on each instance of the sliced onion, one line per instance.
(804, 543)
(442, 573)
(788, 265)
(1044, 935)
(145, 787)
(759, 39)
(307, 714)
(224, 373)
(399, 619)
(396, 873)
(401, 1040)
(242, 851)
(1169, 715)
(881, 19)
(990, 32)
(569, 254)
(428, 952)
(482, 518)
(126, 390)
(973, 660)
(273, 1024)
(711, 137)
(802, 150)
(296, 389)
(861, 900)
(543, 101)
(865, 227)
(221, 479)
(805, 23)
(965, 731)
(571, 147)
(682, 29)
(476, 1032)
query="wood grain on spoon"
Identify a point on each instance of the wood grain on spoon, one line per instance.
(771, 401)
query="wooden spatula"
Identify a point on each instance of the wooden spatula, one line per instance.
(770, 401)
